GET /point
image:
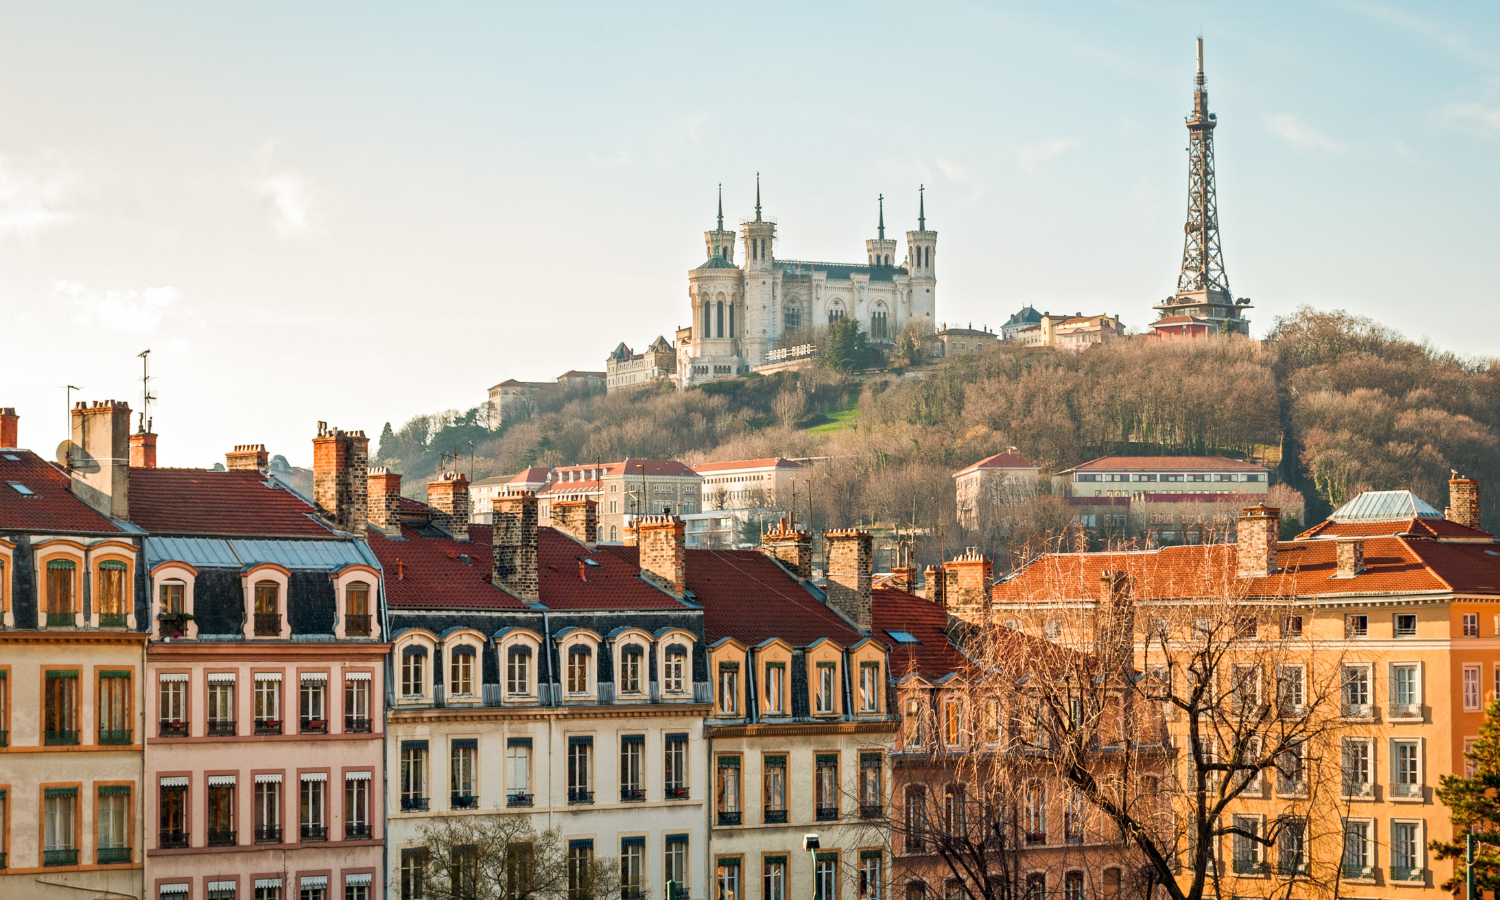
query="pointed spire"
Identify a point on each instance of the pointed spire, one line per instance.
(922, 207)
(757, 196)
(721, 206)
(882, 217)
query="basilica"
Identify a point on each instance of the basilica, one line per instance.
(742, 313)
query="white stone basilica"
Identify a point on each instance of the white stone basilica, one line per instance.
(740, 313)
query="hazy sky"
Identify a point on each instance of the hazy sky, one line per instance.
(359, 212)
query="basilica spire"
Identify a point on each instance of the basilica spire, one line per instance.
(922, 207)
(721, 206)
(757, 196)
(882, 217)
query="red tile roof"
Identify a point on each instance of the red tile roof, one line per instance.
(770, 462)
(662, 467)
(934, 656)
(1437, 529)
(533, 475)
(51, 506)
(1000, 461)
(1179, 320)
(558, 488)
(205, 502)
(1157, 463)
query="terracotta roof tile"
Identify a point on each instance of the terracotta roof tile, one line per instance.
(1000, 461)
(1437, 529)
(769, 462)
(206, 502)
(934, 656)
(1155, 463)
(51, 505)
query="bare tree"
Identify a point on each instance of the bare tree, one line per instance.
(501, 857)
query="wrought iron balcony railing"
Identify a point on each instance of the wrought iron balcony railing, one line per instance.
(115, 736)
(268, 624)
(112, 620)
(357, 625)
(59, 857)
(268, 726)
(463, 801)
(314, 832)
(357, 831)
(111, 856)
(172, 729)
(173, 840)
(519, 798)
(222, 728)
(580, 797)
(413, 804)
(62, 620)
(222, 837)
(729, 818)
(356, 725)
(1408, 873)
(775, 817)
(66, 737)
(827, 814)
(632, 795)
(268, 834)
(1249, 867)
(1406, 790)
(312, 726)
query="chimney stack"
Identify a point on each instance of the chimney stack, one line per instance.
(142, 450)
(341, 463)
(1463, 501)
(932, 585)
(579, 518)
(8, 427)
(249, 458)
(660, 541)
(792, 547)
(850, 554)
(100, 456)
(1351, 558)
(513, 540)
(1258, 530)
(967, 594)
(383, 500)
(449, 495)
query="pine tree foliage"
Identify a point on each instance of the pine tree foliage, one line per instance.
(1474, 806)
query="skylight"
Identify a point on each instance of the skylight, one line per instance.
(22, 489)
(13, 456)
(903, 637)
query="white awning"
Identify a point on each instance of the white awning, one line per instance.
(222, 885)
(221, 678)
(314, 677)
(356, 776)
(314, 776)
(221, 780)
(314, 881)
(267, 676)
(269, 778)
(267, 883)
(175, 781)
(358, 879)
(173, 678)
(356, 676)
(169, 890)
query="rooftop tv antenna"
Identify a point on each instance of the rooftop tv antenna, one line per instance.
(146, 396)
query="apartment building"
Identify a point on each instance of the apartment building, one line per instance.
(623, 491)
(482, 493)
(72, 600)
(1134, 476)
(993, 482)
(744, 490)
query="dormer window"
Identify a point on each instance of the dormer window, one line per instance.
(632, 662)
(674, 674)
(518, 671)
(729, 688)
(62, 604)
(869, 687)
(357, 609)
(776, 688)
(579, 660)
(461, 671)
(267, 609)
(827, 679)
(111, 601)
(413, 672)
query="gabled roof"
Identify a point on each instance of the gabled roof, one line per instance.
(51, 506)
(934, 655)
(1000, 461)
(1166, 463)
(559, 488)
(769, 462)
(206, 502)
(662, 467)
(1434, 529)
(532, 475)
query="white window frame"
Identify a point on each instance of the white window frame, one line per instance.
(1418, 687)
(1420, 761)
(1473, 687)
(1371, 846)
(1370, 768)
(1420, 857)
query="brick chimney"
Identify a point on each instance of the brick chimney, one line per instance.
(792, 547)
(1351, 558)
(661, 542)
(449, 495)
(1463, 501)
(100, 456)
(850, 554)
(902, 577)
(383, 500)
(249, 458)
(341, 463)
(513, 540)
(932, 585)
(1259, 527)
(968, 584)
(142, 450)
(8, 427)
(579, 518)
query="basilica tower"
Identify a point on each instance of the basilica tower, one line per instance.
(921, 253)
(762, 282)
(881, 252)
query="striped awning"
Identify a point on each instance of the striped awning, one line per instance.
(356, 676)
(221, 780)
(314, 776)
(174, 781)
(171, 890)
(222, 885)
(267, 676)
(314, 881)
(356, 776)
(173, 678)
(221, 678)
(269, 778)
(357, 879)
(267, 883)
(314, 677)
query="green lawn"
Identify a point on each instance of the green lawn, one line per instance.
(842, 420)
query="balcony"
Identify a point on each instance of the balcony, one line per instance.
(314, 832)
(729, 818)
(1036, 837)
(357, 625)
(267, 726)
(356, 831)
(868, 811)
(1249, 867)
(827, 814)
(110, 856)
(113, 620)
(413, 804)
(577, 797)
(222, 837)
(59, 857)
(171, 729)
(61, 738)
(313, 726)
(1075, 837)
(1359, 789)
(519, 798)
(1406, 791)
(775, 817)
(355, 725)
(676, 793)
(463, 801)
(222, 728)
(115, 736)
(1352, 872)
(1406, 711)
(1408, 873)
(1296, 865)
(1359, 710)
(173, 840)
(173, 624)
(632, 795)
(62, 620)
(268, 834)
(268, 624)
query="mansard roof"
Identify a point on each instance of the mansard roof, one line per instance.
(223, 503)
(47, 504)
(839, 271)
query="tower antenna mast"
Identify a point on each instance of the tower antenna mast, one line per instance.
(146, 396)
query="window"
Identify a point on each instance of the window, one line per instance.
(1036, 814)
(463, 762)
(1404, 690)
(631, 665)
(1358, 861)
(112, 824)
(356, 806)
(1471, 688)
(1052, 629)
(111, 604)
(953, 720)
(172, 809)
(313, 703)
(267, 811)
(826, 877)
(1291, 774)
(1406, 770)
(114, 706)
(773, 778)
(914, 812)
(1357, 767)
(1406, 851)
(1471, 624)
(1356, 690)
(729, 688)
(413, 775)
(221, 704)
(1291, 626)
(913, 724)
(357, 609)
(1406, 624)
(827, 685)
(1291, 847)
(61, 714)
(413, 874)
(413, 674)
(580, 869)
(580, 769)
(172, 705)
(1245, 689)
(633, 868)
(518, 671)
(313, 804)
(1073, 886)
(1247, 846)
(632, 767)
(1356, 626)
(826, 786)
(357, 702)
(675, 866)
(518, 772)
(1036, 886)
(461, 672)
(869, 875)
(1245, 627)
(774, 887)
(61, 604)
(727, 795)
(674, 675)
(727, 879)
(675, 765)
(1291, 690)
(776, 688)
(59, 824)
(267, 609)
(1073, 818)
(579, 658)
(990, 732)
(268, 703)
(871, 786)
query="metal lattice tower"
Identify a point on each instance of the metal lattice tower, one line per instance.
(1202, 256)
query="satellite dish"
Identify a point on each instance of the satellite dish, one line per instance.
(65, 453)
(75, 458)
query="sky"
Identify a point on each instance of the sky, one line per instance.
(358, 212)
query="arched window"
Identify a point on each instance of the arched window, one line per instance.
(357, 609)
(792, 316)
(731, 318)
(721, 318)
(267, 609)
(413, 671)
(580, 659)
(929, 257)
(461, 671)
(614, 532)
(708, 325)
(835, 312)
(879, 328)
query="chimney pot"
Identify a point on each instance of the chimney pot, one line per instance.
(969, 577)
(9, 426)
(247, 458)
(793, 548)
(142, 450)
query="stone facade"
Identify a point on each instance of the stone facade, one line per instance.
(579, 518)
(967, 585)
(627, 370)
(660, 539)
(449, 495)
(250, 457)
(792, 547)
(1463, 501)
(383, 495)
(341, 463)
(1256, 550)
(514, 546)
(849, 575)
